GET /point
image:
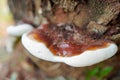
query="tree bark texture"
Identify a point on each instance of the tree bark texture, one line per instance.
(101, 15)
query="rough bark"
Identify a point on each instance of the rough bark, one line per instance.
(103, 16)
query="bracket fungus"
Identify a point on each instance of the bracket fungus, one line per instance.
(19, 30)
(14, 32)
(58, 44)
(76, 32)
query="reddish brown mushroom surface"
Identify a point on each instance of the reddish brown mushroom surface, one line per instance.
(67, 40)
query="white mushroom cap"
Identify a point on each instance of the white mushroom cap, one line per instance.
(14, 32)
(87, 58)
(19, 30)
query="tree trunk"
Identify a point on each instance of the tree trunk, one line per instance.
(102, 15)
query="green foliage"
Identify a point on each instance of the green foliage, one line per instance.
(98, 73)
(91, 73)
(104, 72)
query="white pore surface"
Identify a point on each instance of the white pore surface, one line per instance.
(19, 30)
(87, 58)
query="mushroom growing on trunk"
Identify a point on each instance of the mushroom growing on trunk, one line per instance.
(68, 44)
(76, 32)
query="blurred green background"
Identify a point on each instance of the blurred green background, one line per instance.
(5, 17)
